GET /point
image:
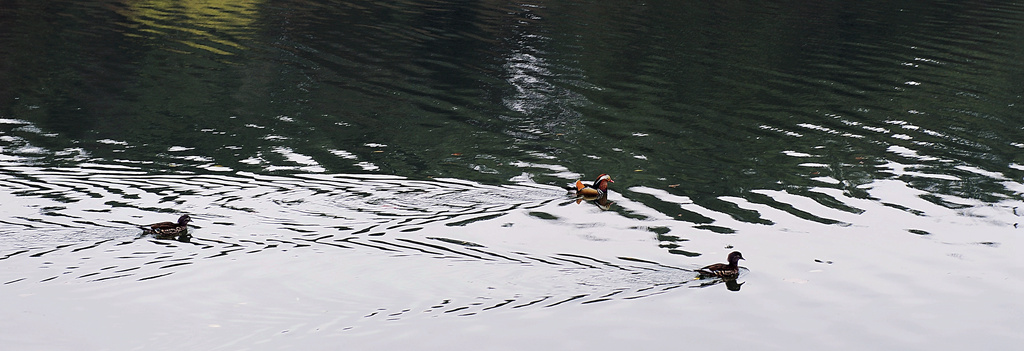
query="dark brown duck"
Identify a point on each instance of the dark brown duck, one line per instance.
(168, 229)
(723, 270)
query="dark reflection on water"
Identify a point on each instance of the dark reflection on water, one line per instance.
(702, 101)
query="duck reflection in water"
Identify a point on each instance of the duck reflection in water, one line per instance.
(598, 192)
(730, 284)
(169, 230)
(722, 272)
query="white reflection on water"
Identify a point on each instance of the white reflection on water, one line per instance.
(310, 254)
(384, 261)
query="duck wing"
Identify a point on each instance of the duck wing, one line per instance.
(580, 186)
(716, 269)
(161, 225)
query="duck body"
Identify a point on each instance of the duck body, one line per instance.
(723, 270)
(593, 192)
(162, 230)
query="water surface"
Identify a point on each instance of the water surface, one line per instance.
(390, 175)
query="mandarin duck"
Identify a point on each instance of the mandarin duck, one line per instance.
(169, 230)
(722, 270)
(593, 192)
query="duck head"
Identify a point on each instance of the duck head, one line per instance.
(602, 182)
(735, 257)
(184, 219)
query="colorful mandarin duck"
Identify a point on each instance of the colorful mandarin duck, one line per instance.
(722, 270)
(169, 230)
(597, 191)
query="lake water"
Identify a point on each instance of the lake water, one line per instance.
(391, 175)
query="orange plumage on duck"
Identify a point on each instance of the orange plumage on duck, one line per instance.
(593, 192)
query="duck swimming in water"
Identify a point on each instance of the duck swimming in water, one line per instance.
(169, 230)
(593, 192)
(722, 270)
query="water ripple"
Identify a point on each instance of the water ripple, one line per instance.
(520, 280)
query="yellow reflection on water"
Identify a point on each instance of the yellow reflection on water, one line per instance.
(215, 26)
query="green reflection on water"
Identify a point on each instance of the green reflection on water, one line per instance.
(700, 101)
